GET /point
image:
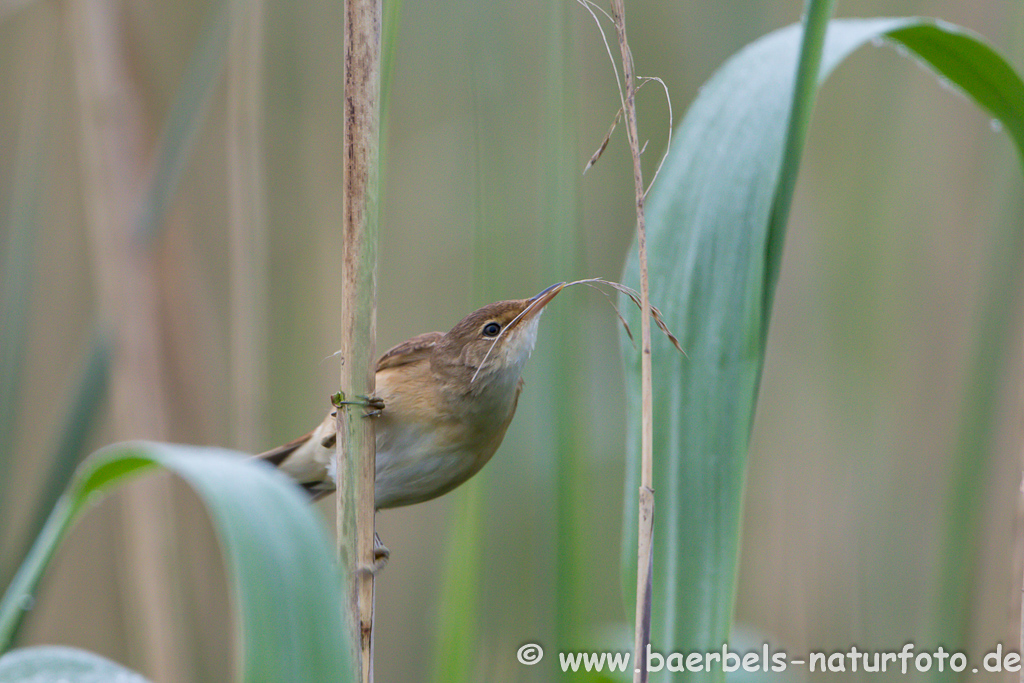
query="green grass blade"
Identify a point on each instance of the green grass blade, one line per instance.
(978, 71)
(962, 522)
(19, 260)
(188, 111)
(455, 642)
(563, 411)
(17, 279)
(87, 403)
(389, 49)
(278, 557)
(715, 229)
(49, 663)
(805, 90)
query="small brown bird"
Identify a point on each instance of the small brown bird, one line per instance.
(447, 400)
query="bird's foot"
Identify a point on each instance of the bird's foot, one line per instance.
(373, 404)
(381, 555)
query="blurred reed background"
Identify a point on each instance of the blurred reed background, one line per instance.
(220, 316)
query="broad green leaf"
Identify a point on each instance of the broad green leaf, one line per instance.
(49, 663)
(287, 592)
(716, 225)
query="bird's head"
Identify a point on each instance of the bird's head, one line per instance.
(491, 345)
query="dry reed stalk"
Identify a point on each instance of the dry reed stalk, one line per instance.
(113, 139)
(247, 223)
(356, 454)
(644, 572)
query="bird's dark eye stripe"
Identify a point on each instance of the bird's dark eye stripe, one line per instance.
(492, 329)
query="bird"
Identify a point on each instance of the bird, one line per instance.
(442, 405)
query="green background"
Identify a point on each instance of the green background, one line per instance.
(494, 112)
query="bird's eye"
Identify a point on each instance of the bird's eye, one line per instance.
(492, 329)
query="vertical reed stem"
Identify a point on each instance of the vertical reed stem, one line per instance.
(356, 453)
(642, 633)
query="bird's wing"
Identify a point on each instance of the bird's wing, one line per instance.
(278, 455)
(417, 348)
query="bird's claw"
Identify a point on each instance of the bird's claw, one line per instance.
(373, 404)
(381, 555)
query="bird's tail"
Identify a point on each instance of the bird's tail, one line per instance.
(276, 456)
(307, 459)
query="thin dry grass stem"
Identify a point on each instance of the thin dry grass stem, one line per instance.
(604, 143)
(644, 80)
(642, 627)
(356, 457)
(671, 124)
(634, 295)
(590, 6)
(618, 314)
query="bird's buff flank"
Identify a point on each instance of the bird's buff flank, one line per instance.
(443, 404)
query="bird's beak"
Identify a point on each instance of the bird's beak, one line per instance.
(547, 295)
(537, 303)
